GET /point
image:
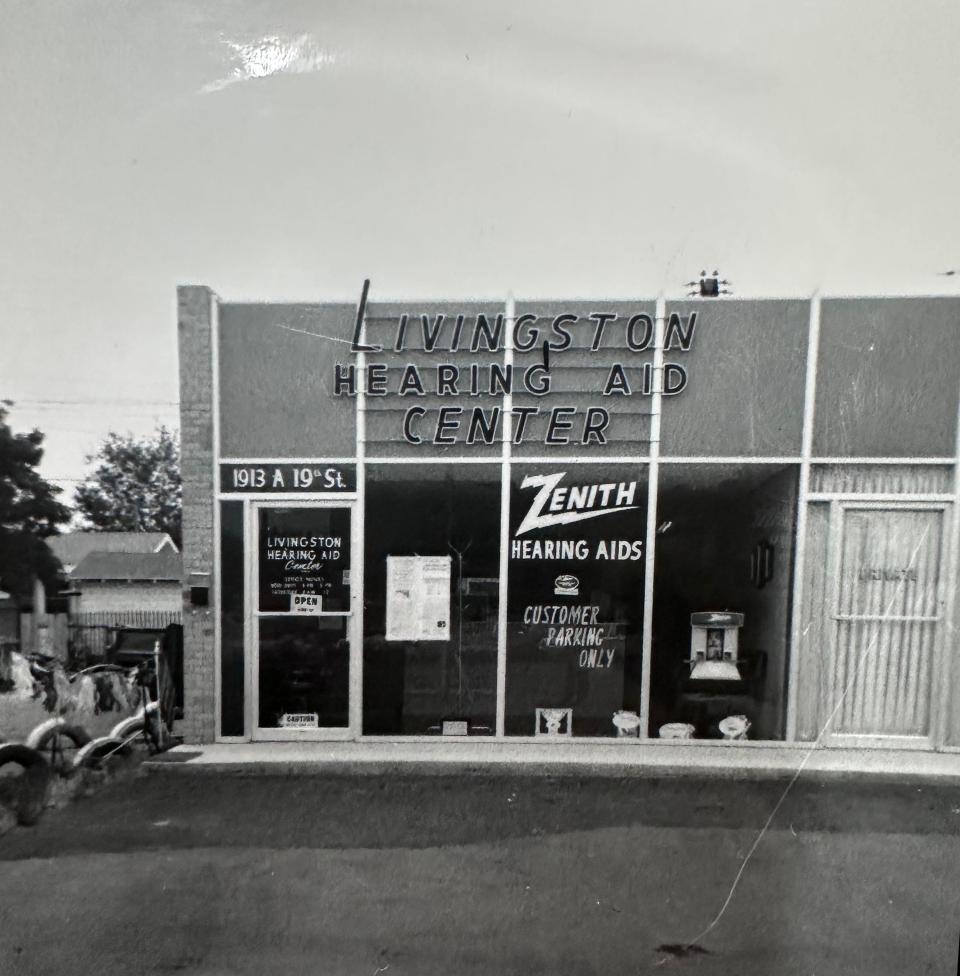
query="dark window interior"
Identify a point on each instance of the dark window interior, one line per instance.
(724, 543)
(232, 588)
(304, 670)
(413, 687)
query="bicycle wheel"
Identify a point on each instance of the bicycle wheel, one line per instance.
(59, 743)
(145, 728)
(25, 781)
(129, 731)
(156, 733)
(97, 753)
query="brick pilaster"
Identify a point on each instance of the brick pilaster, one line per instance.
(196, 306)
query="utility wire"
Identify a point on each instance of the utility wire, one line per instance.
(84, 401)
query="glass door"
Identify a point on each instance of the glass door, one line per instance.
(301, 620)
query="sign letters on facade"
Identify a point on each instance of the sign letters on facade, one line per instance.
(443, 335)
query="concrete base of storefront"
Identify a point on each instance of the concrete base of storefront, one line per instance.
(731, 760)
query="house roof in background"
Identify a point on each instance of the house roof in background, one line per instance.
(164, 565)
(72, 547)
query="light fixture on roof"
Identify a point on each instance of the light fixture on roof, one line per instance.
(708, 286)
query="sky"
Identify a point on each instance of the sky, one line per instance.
(283, 150)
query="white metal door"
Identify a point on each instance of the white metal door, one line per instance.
(889, 577)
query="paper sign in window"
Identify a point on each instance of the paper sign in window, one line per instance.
(418, 598)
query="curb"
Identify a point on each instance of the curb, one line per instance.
(346, 768)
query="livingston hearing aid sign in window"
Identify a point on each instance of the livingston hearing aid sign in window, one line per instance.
(304, 560)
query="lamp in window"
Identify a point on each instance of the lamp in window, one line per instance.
(761, 564)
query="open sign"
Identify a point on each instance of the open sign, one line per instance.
(306, 603)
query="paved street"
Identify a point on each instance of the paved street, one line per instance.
(418, 875)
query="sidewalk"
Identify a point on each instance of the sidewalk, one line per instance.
(722, 760)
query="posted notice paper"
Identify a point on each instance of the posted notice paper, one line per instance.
(418, 598)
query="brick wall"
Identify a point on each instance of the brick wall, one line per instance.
(196, 306)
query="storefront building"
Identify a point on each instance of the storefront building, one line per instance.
(566, 520)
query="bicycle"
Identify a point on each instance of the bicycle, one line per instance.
(56, 739)
(147, 723)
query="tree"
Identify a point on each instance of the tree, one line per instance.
(135, 486)
(29, 511)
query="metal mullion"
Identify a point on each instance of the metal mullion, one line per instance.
(729, 459)
(287, 613)
(503, 589)
(253, 537)
(885, 498)
(653, 481)
(800, 528)
(834, 558)
(358, 521)
(249, 644)
(854, 461)
(889, 503)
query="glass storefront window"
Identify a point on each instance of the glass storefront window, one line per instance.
(431, 570)
(722, 586)
(574, 601)
(575, 604)
(232, 661)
